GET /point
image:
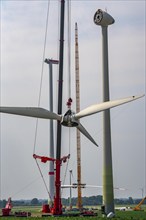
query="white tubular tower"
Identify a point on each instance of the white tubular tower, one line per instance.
(104, 19)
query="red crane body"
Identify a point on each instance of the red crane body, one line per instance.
(6, 211)
(57, 207)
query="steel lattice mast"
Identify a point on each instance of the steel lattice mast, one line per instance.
(79, 201)
(57, 199)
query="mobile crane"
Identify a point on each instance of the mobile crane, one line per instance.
(138, 207)
(7, 210)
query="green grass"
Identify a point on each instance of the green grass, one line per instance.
(120, 215)
(123, 217)
(131, 215)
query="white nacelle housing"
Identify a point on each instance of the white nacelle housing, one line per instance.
(103, 18)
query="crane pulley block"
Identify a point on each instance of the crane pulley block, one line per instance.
(69, 102)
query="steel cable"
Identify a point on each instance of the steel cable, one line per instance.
(39, 99)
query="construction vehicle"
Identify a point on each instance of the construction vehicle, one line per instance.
(138, 207)
(7, 210)
(22, 214)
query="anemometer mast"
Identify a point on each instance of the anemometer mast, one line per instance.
(103, 19)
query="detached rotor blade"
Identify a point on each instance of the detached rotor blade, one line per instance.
(85, 132)
(119, 188)
(69, 186)
(104, 106)
(74, 186)
(94, 186)
(31, 112)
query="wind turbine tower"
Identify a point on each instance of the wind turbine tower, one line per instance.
(50, 62)
(103, 19)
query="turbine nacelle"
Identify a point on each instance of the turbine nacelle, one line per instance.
(103, 18)
(68, 119)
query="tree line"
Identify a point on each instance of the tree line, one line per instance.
(86, 201)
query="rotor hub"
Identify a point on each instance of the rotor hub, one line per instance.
(69, 120)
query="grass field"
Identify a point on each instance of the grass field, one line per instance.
(120, 215)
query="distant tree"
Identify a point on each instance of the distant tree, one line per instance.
(91, 200)
(34, 201)
(130, 200)
(99, 199)
(3, 203)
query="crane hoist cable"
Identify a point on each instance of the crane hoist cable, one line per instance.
(69, 102)
(0, 167)
(69, 45)
(43, 180)
(25, 187)
(42, 69)
(66, 169)
(39, 99)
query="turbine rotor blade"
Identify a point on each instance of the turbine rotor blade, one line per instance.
(31, 112)
(104, 106)
(85, 132)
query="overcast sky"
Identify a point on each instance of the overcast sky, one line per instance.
(22, 43)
